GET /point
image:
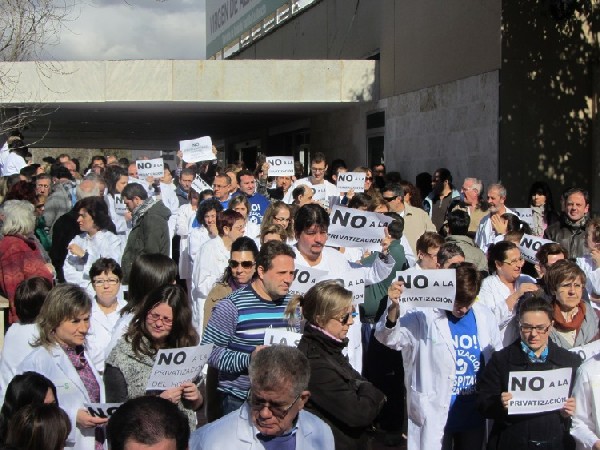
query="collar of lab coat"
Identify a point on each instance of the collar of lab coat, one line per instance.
(64, 364)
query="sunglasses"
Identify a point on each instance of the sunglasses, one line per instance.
(369, 178)
(346, 317)
(390, 199)
(245, 264)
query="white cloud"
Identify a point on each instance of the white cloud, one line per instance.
(134, 29)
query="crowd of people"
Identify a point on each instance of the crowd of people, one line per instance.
(103, 268)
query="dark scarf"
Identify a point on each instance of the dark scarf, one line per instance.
(141, 210)
(580, 224)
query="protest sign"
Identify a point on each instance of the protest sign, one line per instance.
(319, 191)
(353, 281)
(351, 180)
(281, 166)
(120, 206)
(525, 214)
(351, 227)
(200, 185)
(530, 245)
(196, 150)
(305, 278)
(587, 351)
(150, 168)
(538, 391)
(428, 288)
(101, 410)
(175, 366)
(280, 336)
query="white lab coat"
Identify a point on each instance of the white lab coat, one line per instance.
(196, 239)
(102, 327)
(586, 421)
(337, 265)
(16, 348)
(429, 357)
(183, 225)
(55, 365)
(13, 164)
(592, 274)
(486, 234)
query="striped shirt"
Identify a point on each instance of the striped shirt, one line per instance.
(236, 327)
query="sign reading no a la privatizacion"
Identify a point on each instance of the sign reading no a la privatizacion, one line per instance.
(196, 150)
(305, 278)
(530, 245)
(538, 391)
(175, 366)
(355, 228)
(150, 168)
(351, 180)
(428, 288)
(281, 166)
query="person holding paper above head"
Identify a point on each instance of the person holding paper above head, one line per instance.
(163, 322)
(505, 286)
(531, 352)
(318, 169)
(443, 353)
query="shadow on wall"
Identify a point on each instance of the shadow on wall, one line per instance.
(547, 94)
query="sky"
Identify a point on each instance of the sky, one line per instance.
(133, 29)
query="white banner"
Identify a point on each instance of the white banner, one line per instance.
(175, 366)
(587, 351)
(305, 278)
(199, 149)
(120, 206)
(525, 214)
(281, 166)
(150, 168)
(200, 185)
(530, 245)
(101, 410)
(351, 180)
(351, 227)
(534, 392)
(428, 288)
(354, 282)
(279, 336)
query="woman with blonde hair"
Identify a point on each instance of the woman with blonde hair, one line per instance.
(64, 322)
(279, 213)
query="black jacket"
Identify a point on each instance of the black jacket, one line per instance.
(339, 394)
(517, 432)
(571, 237)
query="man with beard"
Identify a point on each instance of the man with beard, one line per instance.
(570, 230)
(486, 232)
(437, 202)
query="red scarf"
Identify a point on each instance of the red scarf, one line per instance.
(561, 323)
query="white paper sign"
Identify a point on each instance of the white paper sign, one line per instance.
(150, 168)
(351, 180)
(101, 410)
(280, 336)
(428, 288)
(539, 391)
(525, 214)
(200, 185)
(587, 351)
(305, 278)
(319, 191)
(120, 206)
(281, 166)
(175, 366)
(351, 227)
(530, 245)
(355, 283)
(196, 150)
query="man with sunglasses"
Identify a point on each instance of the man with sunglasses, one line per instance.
(238, 322)
(272, 417)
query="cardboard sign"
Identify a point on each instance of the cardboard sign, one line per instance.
(539, 391)
(120, 207)
(150, 168)
(587, 351)
(196, 150)
(280, 336)
(530, 245)
(428, 288)
(281, 166)
(175, 366)
(351, 180)
(200, 185)
(356, 284)
(351, 227)
(305, 278)
(525, 214)
(101, 410)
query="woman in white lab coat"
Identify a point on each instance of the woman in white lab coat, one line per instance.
(64, 322)
(435, 360)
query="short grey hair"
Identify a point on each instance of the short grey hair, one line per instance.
(87, 188)
(501, 189)
(273, 366)
(477, 184)
(19, 218)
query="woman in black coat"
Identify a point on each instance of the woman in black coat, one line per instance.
(339, 394)
(533, 351)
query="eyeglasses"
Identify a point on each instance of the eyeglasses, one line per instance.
(346, 317)
(218, 186)
(390, 199)
(572, 285)
(316, 169)
(245, 264)
(279, 412)
(153, 317)
(540, 329)
(515, 262)
(109, 281)
(281, 219)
